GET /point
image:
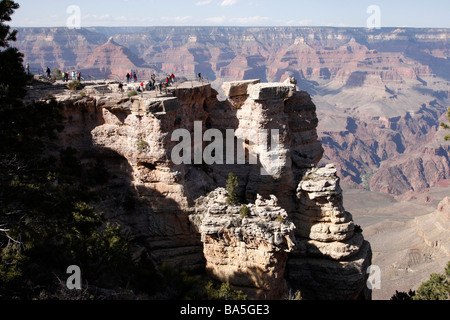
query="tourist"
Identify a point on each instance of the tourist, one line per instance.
(48, 72)
(135, 77)
(79, 76)
(128, 77)
(28, 68)
(120, 87)
(142, 86)
(153, 81)
(199, 76)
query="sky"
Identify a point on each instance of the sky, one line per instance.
(342, 13)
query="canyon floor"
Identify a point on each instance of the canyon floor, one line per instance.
(391, 227)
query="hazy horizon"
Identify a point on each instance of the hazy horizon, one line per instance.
(233, 13)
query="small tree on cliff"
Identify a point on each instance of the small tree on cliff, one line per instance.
(232, 185)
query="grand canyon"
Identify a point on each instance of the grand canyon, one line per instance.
(363, 114)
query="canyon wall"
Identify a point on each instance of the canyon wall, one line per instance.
(381, 94)
(294, 234)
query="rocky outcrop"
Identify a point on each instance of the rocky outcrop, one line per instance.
(301, 238)
(327, 240)
(245, 247)
(322, 218)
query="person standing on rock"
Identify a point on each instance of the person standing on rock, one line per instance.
(48, 72)
(135, 77)
(128, 77)
(28, 68)
(79, 76)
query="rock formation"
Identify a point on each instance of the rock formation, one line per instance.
(248, 249)
(329, 249)
(380, 93)
(294, 234)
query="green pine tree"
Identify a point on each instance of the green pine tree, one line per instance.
(12, 74)
(435, 288)
(231, 187)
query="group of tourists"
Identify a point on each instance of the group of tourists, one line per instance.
(131, 77)
(65, 76)
(151, 84)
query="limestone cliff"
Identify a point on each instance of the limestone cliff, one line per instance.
(300, 239)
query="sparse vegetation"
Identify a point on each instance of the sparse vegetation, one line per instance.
(132, 93)
(224, 292)
(231, 187)
(141, 145)
(279, 219)
(74, 85)
(446, 126)
(245, 211)
(57, 74)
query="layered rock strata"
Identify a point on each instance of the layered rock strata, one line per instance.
(300, 239)
(329, 250)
